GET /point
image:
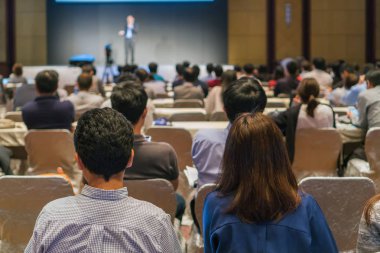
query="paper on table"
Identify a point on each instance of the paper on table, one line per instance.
(191, 175)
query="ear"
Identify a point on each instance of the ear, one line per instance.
(79, 161)
(130, 162)
(145, 112)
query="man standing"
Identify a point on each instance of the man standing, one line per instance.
(129, 34)
(103, 218)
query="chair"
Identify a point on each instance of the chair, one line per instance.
(22, 199)
(317, 152)
(372, 150)
(278, 103)
(179, 138)
(49, 149)
(342, 201)
(188, 103)
(200, 200)
(218, 116)
(157, 191)
(188, 116)
(15, 116)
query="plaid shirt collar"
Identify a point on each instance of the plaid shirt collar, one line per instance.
(96, 193)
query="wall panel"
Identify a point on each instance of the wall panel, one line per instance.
(2, 31)
(377, 29)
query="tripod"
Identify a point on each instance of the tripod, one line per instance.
(107, 73)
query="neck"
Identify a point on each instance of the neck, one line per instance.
(45, 94)
(114, 183)
(137, 129)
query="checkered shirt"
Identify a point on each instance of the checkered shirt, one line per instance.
(102, 221)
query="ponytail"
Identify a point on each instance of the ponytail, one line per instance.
(311, 105)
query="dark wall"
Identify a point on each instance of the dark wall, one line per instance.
(168, 32)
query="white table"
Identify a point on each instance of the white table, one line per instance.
(167, 112)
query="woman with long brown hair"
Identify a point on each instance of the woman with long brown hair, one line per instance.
(369, 228)
(257, 206)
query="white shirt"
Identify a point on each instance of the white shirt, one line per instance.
(323, 117)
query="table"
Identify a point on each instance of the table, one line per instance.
(167, 112)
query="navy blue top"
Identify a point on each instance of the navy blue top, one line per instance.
(303, 230)
(47, 112)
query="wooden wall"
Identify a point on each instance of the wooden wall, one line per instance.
(2, 31)
(31, 38)
(338, 30)
(247, 31)
(378, 30)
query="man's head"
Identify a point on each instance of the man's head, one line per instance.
(47, 82)
(210, 68)
(17, 69)
(319, 63)
(373, 78)
(179, 69)
(292, 68)
(130, 99)
(244, 95)
(196, 71)
(142, 75)
(89, 68)
(103, 140)
(84, 81)
(218, 70)
(153, 67)
(248, 69)
(188, 75)
(345, 70)
(186, 64)
(130, 19)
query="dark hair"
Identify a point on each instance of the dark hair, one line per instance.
(210, 68)
(179, 69)
(278, 72)
(186, 64)
(373, 77)
(126, 76)
(188, 75)
(292, 68)
(305, 65)
(248, 68)
(243, 95)
(319, 63)
(256, 170)
(347, 67)
(89, 68)
(196, 71)
(142, 75)
(84, 81)
(103, 140)
(228, 77)
(47, 81)
(350, 81)
(237, 68)
(17, 69)
(218, 70)
(130, 99)
(368, 67)
(308, 90)
(153, 67)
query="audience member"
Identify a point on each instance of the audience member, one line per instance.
(248, 70)
(257, 206)
(368, 237)
(308, 114)
(323, 78)
(16, 76)
(278, 74)
(305, 67)
(288, 84)
(336, 96)
(214, 102)
(84, 100)
(152, 159)
(188, 90)
(97, 84)
(153, 67)
(239, 71)
(262, 73)
(243, 95)
(46, 111)
(210, 70)
(103, 218)
(178, 80)
(152, 87)
(218, 70)
(197, 82)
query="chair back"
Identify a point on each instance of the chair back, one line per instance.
(342, 200)
(188, 116)
(49, 149)
(188, 103)
(278, 103)
(372, 150)
(218, 116)
(15, 116)
(157, 191)
(200, 201)
(22, 199)
(179, 138)
(316, 153)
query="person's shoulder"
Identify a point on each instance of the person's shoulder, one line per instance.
(147, 210)
(59, 208)
(28, 106)
(211, 135)
(162, 147)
